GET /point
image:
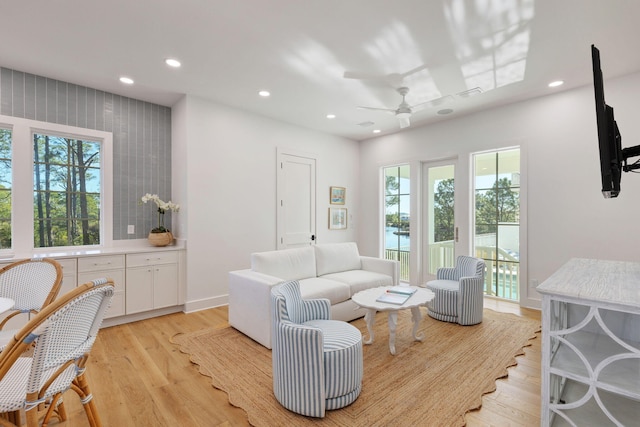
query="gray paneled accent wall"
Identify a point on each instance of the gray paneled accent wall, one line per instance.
(141, 138)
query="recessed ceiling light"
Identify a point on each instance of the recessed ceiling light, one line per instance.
(445, 111)
(556, 83)
(331, 116)
(264, 93)
(126, 80)
(376, 131)
(172, 62)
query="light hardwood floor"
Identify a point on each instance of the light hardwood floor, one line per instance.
(139, 378)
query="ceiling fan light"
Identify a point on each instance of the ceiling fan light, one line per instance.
(403, 116)
(404, 122)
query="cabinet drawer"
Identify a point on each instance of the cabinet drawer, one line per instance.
(103, 262)
(116, 275)
(69, 266)
(152, 258)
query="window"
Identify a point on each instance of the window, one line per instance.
(397, 196)
(66, 187)
(5, 188)
(497, 220)
(441, 226)
(55, 181)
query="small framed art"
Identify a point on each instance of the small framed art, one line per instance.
(337, 195)
(337, 218)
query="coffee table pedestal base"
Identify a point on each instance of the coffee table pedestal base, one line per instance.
(370, 318)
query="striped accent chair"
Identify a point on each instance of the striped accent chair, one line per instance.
(317, 362)
(459, 292)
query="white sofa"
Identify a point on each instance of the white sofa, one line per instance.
(334, 271)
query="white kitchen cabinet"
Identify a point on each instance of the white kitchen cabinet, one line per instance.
(111, 266)
(69, 275)
(591, 344)
(152, 281)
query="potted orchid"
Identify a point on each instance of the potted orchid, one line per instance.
(160, 235)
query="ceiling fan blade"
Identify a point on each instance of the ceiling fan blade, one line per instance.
(413, 71)
(432, 103)
(404, 122)
(393, 80)
(386, 110)
(362, 76)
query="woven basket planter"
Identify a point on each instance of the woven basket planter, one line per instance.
(160, 239)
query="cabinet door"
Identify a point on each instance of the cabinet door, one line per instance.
(139, 295)
(165, 285)
(117, 303)
(69, 279)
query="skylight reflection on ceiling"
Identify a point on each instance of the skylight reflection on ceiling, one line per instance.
(315, 61)
(491, 39)
(397, 51)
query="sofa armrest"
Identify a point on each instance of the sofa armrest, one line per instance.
(382, 266)
(250, 304)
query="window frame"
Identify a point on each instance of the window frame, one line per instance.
(405, 263)
(22, 196)
(521, 206)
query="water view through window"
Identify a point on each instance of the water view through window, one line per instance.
(397, 215)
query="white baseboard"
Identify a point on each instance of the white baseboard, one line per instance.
(203, 304)
(113, 321)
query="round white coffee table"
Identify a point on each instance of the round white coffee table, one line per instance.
(367, 299)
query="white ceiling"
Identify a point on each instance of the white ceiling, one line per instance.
(299, 50)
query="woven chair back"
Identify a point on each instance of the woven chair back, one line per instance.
(31, 284)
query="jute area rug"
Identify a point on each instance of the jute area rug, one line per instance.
(434, 382)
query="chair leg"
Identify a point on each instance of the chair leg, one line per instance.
(81, 387)
(56, 408)
(11, 418)
(31, 413)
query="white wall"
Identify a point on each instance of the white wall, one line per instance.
(228, 176)
(564, 214)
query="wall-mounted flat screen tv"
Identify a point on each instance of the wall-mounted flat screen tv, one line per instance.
(613, 158)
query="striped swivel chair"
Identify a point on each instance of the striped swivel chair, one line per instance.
(317, 362)
(459, 292)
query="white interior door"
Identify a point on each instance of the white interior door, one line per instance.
(296, 200)
(441, 232)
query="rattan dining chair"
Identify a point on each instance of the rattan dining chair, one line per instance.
(32, 284)
(58, 339)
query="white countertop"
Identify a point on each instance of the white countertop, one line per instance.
(118, 247)
(614, 282)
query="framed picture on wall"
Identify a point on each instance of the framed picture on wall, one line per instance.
(337, 218)
(337, 195)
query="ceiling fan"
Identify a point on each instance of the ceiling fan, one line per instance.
(404, 111)
(394, 79)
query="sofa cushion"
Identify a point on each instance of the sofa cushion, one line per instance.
(287, 264)
(337, 257)
(359, 280)
(317, 287)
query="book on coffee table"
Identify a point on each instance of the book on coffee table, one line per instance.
(402, 290)
(393, 298)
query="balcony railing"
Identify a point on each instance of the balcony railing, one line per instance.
(501, 279)
(403, 257)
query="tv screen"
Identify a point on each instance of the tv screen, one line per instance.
(609, 138)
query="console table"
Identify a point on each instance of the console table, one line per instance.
(591, 344)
